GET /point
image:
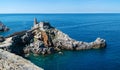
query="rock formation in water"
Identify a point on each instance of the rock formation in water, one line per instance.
(9, 61)
(3, 27)
(45, 39)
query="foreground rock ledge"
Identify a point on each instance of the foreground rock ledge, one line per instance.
(45, 39)
(9, 61)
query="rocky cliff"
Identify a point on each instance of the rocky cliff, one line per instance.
(45, 39)
(9, 61)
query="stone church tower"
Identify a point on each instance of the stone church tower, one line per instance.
(35, 21)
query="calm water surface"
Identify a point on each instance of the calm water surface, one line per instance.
(83, 27)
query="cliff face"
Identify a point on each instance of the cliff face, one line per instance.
(9, 61)
(45, 39)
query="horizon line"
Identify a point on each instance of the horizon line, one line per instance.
(69, 13)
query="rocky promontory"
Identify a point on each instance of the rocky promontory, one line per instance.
(3, 27)
(43, 39)
(10, 61)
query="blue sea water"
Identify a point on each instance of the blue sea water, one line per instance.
(83, 27)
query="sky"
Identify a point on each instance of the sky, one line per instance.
(59, 6)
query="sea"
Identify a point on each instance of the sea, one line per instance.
(83, 27)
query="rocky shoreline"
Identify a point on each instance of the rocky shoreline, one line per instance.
(44, 39)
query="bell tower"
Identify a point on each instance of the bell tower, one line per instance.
(35, 21)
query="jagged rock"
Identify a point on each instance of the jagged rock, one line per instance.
(3, 27)
(50, 50)
(27, 38)
(21, 33)
(45, 39)
(99, 43)
(6, 44)
(2, 39)
(9, 61)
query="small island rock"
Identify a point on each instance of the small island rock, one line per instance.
(3, 27)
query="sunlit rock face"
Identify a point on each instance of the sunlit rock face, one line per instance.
(3, 27)
(43, 39)
(9, 61)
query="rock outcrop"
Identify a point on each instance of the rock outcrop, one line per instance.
(45, 39)
(3, 27)
(9, 61)
(2, 39)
